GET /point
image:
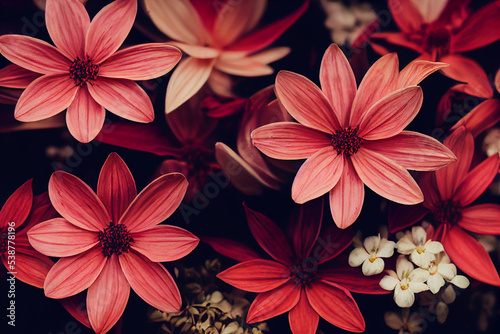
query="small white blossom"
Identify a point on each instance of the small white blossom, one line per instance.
(375, 248)
(421, 251)
(442, 269)
(406, 282)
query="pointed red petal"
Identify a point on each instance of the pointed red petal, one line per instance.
(31, 266)
(478, 179)
(469, 255)
(232, 249)
(353, 280)
(331, 243)
(107, 296)
(14, 76)
(482, 219)
(18, 206)
(305, 102)
(256, 275)
(416, 71)
(76, 202)
(41, 210)
(404, 216)
(482, 117)
(269, 236)
(304, 226)
(76, 305)
(155, 203)
(336, 305)
(71, 275)
(397, 38)
(407, 16)
(273, 303)
(85, 116)
(116, 186)
(61, 14)
(151, 281)
(109, 28)
(303, 319)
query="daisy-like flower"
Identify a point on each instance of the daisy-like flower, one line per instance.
(21, 212)
(84, 72)
(111, 242)
(441, 269)
(351, 136)
(375, 248)
(421, 251)
(406, 282)
(219, 38)
(448, 195)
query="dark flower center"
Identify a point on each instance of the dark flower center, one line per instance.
(83, 70)
(438, 40)
(3, 240)
(304, 273)
(448, 213)
(346, 141)
(115, 239)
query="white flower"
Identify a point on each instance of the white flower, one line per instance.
(370, 255)
(406, 283)
(404, 322)
(442, 269)
(421, 252)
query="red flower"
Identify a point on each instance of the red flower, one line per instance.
(296, 280)
(111, 242)
(20, 213)
(448, 193)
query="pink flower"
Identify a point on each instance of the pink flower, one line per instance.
(351, 136)
(21, 212)
(112, 242)
(219, 37)
(448, 193)
(84, 72)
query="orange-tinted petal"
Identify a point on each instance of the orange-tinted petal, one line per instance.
(71, 275)
(416, 71)
(107, 296)
(151, 281)
(386, 178)
(85, 117)
(317, 175)
(155, 203)
(197, 51)
(482, 219)
(75, 201)
(45, 97)
(109, 28)
(57, 237)
(338, 82)
(303, 319)
(306, 102)
(123, 98)
(273, 303)
(14, 76)
(18, 206)
(67, 23)
(482, 117)
(141, 62)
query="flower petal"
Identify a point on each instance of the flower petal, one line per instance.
(251, 66)
(331, 243)
(338, 82)
(306, 102)
(14, 76)
(273, 303)
(164, 243)
(404, 298)
(391, 114)
(141, 62)
(151, 281)
(405, 245)
(435, 282)
(76, 202)
(416, 71)
(107, 296)
(34, 54)
(303, 319)
(482, 219)
(477, 181)
(256, 275)
(124, 98)
(187, 79)
(288, 141)
(109, 28)
(386, 248)
(403, 216)
(304, 227)
(231, 248)
(85, 117)
(57, 237)
(197, 51)
(71, 275)
(358, 256)
(269, 236)
(61, 14)
(353, 280)
(31, 266)
(380, 80)
(418, 275)
(406, 14)
(482, 117)
(346, 198)
(336, 305)
(461, 281)
(468, 254)
(370, 268)
(45, 97)
(386, 178)
(18, 206)
(389, 282)
(155, 203)
(447, 270)
(461, 143)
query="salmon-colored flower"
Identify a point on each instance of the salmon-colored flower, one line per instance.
(21, 212)
(84, 72)
(351, 136)
(448, 193)
(442, 30)
(219, 38)
(111, 241)
(301, 279)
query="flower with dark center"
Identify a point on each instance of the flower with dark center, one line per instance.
(448, 212)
